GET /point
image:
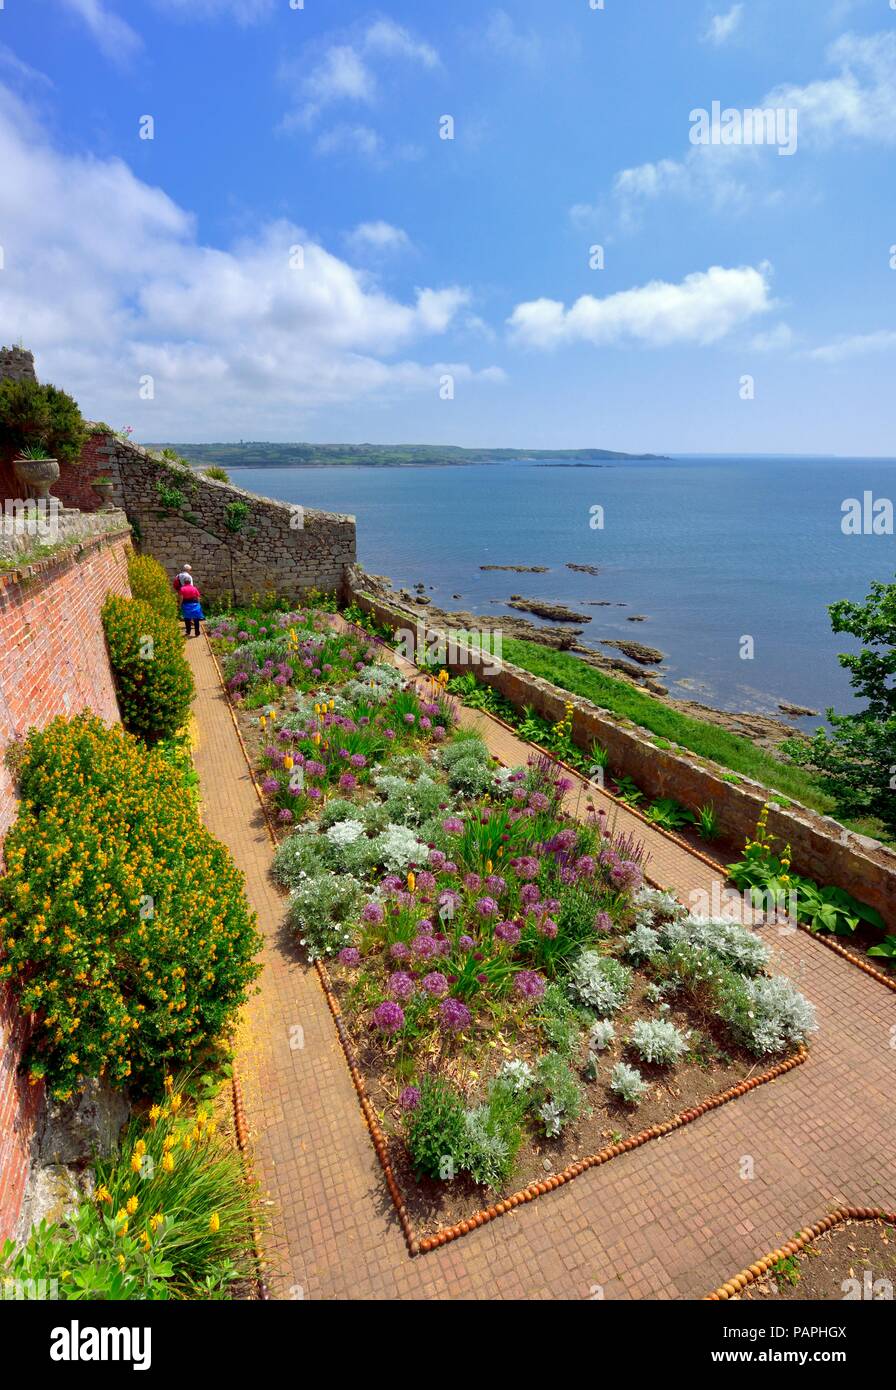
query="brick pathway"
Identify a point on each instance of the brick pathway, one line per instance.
(670, 1220)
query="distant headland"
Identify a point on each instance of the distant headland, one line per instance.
(248, 454)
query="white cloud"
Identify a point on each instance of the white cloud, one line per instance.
(722, 26)
(502, 36)
(239, 343)
(243, 11)
(114, 36)
(859, 102)
(861, 345)
(777, 339)
(343, 71)
(378, 237)
(704, 307)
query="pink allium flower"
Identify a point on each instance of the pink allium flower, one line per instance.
(529, 984)
(402, 985)
(435, 983)
(388, 1016)
(454, 1016)
(350, 955)
(508, 932)
(373, 914)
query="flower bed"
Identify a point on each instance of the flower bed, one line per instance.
(516, 1000)
(266, 656)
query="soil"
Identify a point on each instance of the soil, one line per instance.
(862, 1251)
(712, 1067)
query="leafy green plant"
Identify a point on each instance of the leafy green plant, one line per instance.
(628, 791)
(170, 496)
(708, 823)
(669, 814)
(153, 681)
(219, 474)
(125, 931)
(40, 415)
(886, 950)
(437, 1130)
(235, 515)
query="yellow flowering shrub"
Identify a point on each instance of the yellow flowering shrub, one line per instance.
(124, 927)
(153, 681)
(150, 584)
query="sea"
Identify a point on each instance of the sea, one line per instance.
(731, 562)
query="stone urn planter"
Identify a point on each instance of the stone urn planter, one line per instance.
(38, 475)
(103, 489)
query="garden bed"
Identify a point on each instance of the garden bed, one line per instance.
(856, 1261)
(517, 1000)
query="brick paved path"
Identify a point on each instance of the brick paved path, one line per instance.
(673, 1219)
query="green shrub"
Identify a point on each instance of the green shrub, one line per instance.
(219, 474)
(40, 414)
(437, 1130)
(150, 584)
(157, 1228)
(124, 928)
(152, 679)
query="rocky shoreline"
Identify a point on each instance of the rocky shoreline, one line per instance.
(764, 730)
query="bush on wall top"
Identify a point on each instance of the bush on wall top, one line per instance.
(124, 927)
(152, 679)
(34, 414)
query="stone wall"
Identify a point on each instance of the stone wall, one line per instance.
(17, 364)
(822, 848)
(53, 662)
(239, 544)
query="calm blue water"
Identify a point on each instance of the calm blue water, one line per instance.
(710, 550)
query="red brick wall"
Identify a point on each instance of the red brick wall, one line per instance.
(73, 488)
(53, 662)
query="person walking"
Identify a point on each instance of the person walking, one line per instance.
(185, 577)
(191, 607)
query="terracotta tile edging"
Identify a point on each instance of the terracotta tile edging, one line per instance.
(755, 1271)
(418, 1246)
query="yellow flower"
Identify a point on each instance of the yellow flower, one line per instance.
(169, 1082)
(121, 1262)
(176, 1102)
(156, 1221)
(288, 763)
(103, 1194)
(154, 1113)
(131, 1205)
(214, 1223)
(168, 1163)
(136, 1162)
(488, 866)
(144, 1240)
(412, 882)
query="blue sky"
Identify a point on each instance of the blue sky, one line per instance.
(158, 279)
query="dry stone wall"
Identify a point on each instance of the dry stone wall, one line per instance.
(240, 545)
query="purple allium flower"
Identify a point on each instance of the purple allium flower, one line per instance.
(526, 867)
(452, 825)
(509, 932)
(347, 782)
(472, 882)
(529, 984)
(495, 884)
(563, 785)
(270, 785)
(392, 883)
(409, 718)
(358, 760)
(350, 955)
(409, 1098)
(315, 793)
(402, 985)
(425, 881)
(465, 943)
(373, 913)
(437, 859)
(285, 817)
(487, 907)
(454, 1016)
(585, 866)
(450, 866)
(435, 983)
(518, 794)
(389, 734)
(399, 951)
(425, 947)
(315, 769)
(530, 893)
(425, 723)
(538, 801)
(603, 922)
(627, 874)
(388, 1016)
(548, 927)
(438, 734)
